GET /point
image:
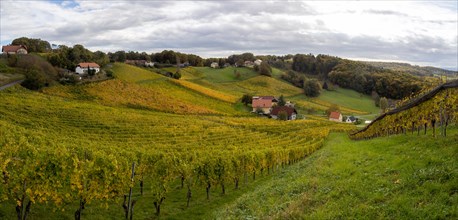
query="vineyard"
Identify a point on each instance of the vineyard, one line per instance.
(436, 108)
(142, 89)
(60, 150)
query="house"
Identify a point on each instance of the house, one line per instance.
(82, 68)
(214, 65)
(14, 49)
(248, 63)
(289, 104)
(291, 112)
(257, 62)
(185, 64)
(227, 65)
(263, 103)
(335, 116)
(149, 64)
(351, 119)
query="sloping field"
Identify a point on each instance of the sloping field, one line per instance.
(207, 91)
(401, 177)
(68, 150)
(258, 85)
(227, 74)
(140, 88)
(350, 99)
(132, 73)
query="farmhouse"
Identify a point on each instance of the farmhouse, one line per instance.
(248, 63)
(214, 65)
(290, 112)
(257, 62)
(263, 103)
(14, 49)
(351, 119)
(335, 116)
(82, 68)
(149, 64)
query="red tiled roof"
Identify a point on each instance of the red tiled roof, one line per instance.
(91, 65)
(261, 103)
(12, 48)
(286, 109)
(334, 115)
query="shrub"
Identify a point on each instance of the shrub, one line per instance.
(312, 88)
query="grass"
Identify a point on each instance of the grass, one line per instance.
(132, 73)
(8, 74)
(350, 99)
(51, 122)
(399, 177)
(226, 74)
(276, 73)
(140, 88)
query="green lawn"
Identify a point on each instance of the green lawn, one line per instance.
(399, 177)
(226, 74)
(276, 73)
(350, 99)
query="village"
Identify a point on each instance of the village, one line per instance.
(278, 108)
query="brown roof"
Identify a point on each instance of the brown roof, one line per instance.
(12, 48)
(261, 103)
(334, 115)
(286, 109)
(86, 65)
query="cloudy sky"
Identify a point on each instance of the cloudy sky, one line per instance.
(418, 32)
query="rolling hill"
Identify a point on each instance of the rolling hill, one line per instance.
(197, 154)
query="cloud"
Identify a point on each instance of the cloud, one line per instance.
(416, 32)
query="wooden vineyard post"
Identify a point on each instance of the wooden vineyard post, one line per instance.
(129, 201)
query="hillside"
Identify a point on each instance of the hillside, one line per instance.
(139, 88)
(9, 74)
(222, 84)
(196, 154)
(71, 143)
(401, 177)
(413, 69)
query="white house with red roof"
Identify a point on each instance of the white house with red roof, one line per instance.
(263, 103)
(14, 49)
(82, 68)
(335, 116)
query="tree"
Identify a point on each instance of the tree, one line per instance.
(265, 69)
(90, 72)
(177, 75)
(33, 45)
(34, 80)
(325, 85)
(383, 104)
(332, 108)
(283, 115)
(281, 101)
(247, 99)
(312, 88)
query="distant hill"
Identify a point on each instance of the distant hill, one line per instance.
(412, 69)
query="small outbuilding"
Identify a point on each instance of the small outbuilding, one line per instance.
(351, 119)
(214, 65)
(335, 116)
